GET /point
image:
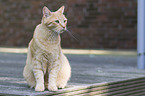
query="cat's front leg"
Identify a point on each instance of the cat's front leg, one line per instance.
(53, 76)
(39, 76)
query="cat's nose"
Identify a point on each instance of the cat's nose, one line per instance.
(63, 26)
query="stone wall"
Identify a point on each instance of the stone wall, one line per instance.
(101, 24)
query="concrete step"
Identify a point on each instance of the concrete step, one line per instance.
(92, 75)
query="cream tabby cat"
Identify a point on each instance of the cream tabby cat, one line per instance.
(46, 65)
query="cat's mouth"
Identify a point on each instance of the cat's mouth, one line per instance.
(63, 30)
(60, 32)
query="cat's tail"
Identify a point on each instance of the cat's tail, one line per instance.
(29, 55)
(27, 73)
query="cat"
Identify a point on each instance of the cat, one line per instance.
(46, 65)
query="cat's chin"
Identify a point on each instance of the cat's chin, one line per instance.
(58, 32)
(63, 30)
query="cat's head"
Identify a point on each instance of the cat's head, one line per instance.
(55, 21)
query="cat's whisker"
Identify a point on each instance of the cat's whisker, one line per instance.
(71, 26)
(72, 35)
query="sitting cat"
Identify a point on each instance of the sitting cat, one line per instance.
(46, 65)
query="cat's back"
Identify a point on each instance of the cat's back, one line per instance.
(38, 30)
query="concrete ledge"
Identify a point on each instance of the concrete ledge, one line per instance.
(91, 75)
(131, 87)
(77, 51)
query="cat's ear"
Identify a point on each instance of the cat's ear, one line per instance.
(46, 12)
(61, 9)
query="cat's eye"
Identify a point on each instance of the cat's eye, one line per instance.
(64, 21)
(57, 21)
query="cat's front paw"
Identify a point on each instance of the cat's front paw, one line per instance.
(61, 86)
(52, 88)
(40, 87)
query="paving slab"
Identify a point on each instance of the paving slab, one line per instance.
(86, 69)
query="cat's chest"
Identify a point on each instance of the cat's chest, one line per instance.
(44, 47)
(47, 59)
(50, 55)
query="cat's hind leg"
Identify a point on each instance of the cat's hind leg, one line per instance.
(64, 73)
(29, 77)
(27, 73)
